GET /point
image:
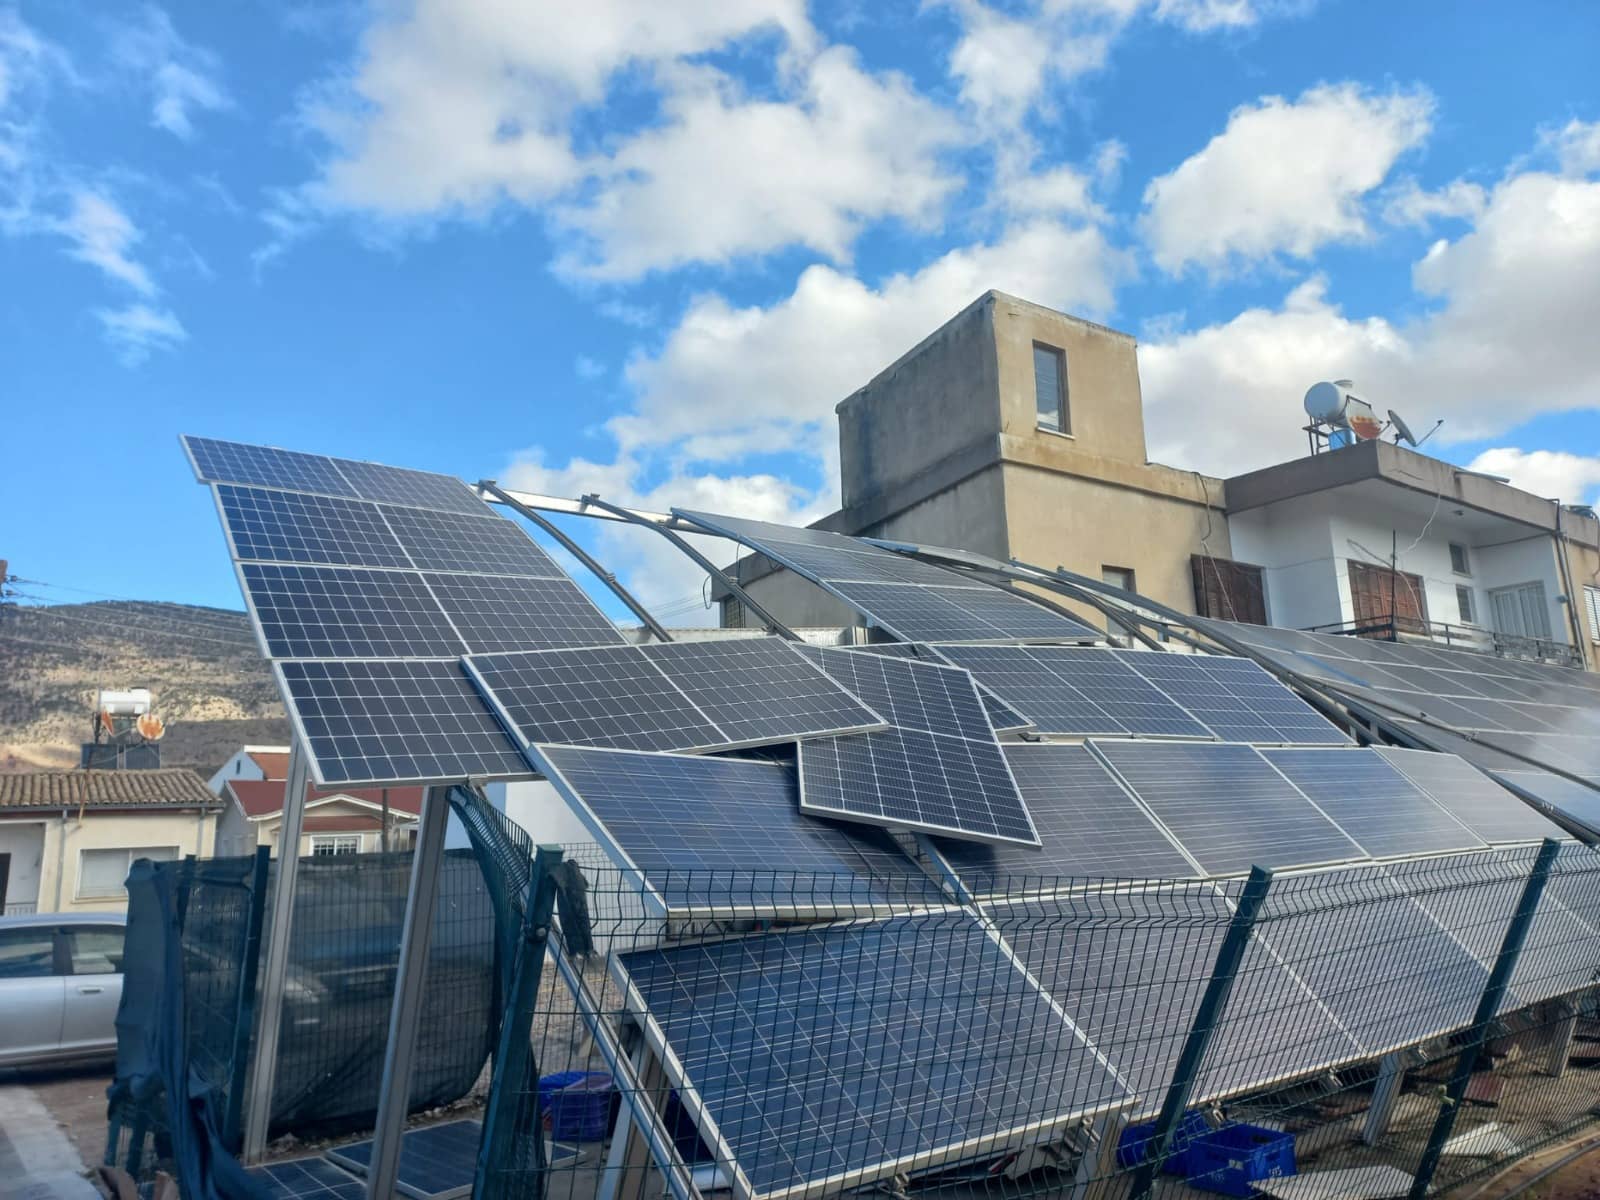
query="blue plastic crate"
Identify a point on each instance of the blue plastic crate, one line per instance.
(1136, 1138)
(578, 1105)
(1234, 1158)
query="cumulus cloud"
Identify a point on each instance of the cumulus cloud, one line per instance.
(1577, 146)
(1410, 204)
(1283, 177)
(182, 78)
(1553, 474)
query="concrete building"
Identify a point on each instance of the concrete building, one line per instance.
(336, 821)
(67, 838)
(252, 762)
(1018, 432)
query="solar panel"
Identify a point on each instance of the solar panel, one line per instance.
(823, 1059)
(1052, 703)
(307, 1179)
(1013, 615)
(295, 527)
(1002, 716)
(414, 489)
(1227, 806)
(863, 564)
(1088, 827)
(437, 1162)
(506, 612)
(447, 541)
(235, 462)
(1470, 796)
(1573, 800)
(1382, 811)
(915, 613)
(938, 769)
(759, 689)
(713, 697)
(725, 834)
(1234, 698)
(346, 612)
(396, 721)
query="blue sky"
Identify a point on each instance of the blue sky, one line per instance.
(645, 252)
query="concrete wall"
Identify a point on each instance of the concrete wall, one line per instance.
(1293, 544)
(240, 766)
(65, 841)
(24, 842)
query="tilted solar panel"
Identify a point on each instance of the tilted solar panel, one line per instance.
(307, 1179)
(895, 1048)
(1470, 796)
(437, 1162)
(726, 834)
(494, 613)
(234, 462)
(938, 769)
(1052, 701)
(415, 489)
(1227, 806)
(449, 541)
(1234, 698)
(1574, 801)
(296, 527)
(1382, 811)
(346, 612)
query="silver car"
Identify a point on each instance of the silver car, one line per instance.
(60, 984)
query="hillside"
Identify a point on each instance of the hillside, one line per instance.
(202, 666)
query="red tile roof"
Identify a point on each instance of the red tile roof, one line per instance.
(172, 787)
(274, 764)
(264, 797)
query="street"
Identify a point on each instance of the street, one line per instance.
(52, 1127)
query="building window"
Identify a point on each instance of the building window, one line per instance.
(1228, 590)
(1121, 577)
(1464, 604)
(1591, 603)
(102, 873)
(1050, 388)
(324, 847)
(1521, 611)
(1459, 562)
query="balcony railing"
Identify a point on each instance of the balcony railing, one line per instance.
(1457, 637)
(20, 908)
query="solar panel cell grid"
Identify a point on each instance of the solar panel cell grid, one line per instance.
(235, 462)
(493, 613)
(1470, 796)
(414, 489)
(1132, 701)
(345, 612)
(1013, 616)
(862, 565)
(447, 541)
(307, 1179)
(1050, 701)
(1234, 697)
(273, 526)
(916, 613)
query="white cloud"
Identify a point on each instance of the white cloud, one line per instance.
(138, 329)
(726, 175)
(182, 78)
(1283, 177)
(1410, 204)
(1577, 146)
(1203, 16)
(1510, 335)
(102, 235)
(1553, 474)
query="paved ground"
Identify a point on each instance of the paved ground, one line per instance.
(52, 1124)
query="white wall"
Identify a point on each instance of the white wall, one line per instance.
(24, 841)
(1292, 543)
(240, 766)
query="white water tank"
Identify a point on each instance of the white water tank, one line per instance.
(1338, 405)
(134, 702)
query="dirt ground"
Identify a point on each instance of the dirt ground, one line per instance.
(75, 1098)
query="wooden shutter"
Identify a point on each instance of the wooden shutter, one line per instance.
(1228, 590)
(1380, 595)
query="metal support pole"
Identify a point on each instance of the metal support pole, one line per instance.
(1386, 1093)
(245, 1009)
(515, 1068)
(1488, 1005)
(394, 1095)
(1560, 1048)
(578, 552)
(275, 967)
(1092, 1179)
(1213, 1003)
(700, 560)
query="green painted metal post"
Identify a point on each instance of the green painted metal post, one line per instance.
(1488, 1006)
(515, 1068)
(1212, 1005)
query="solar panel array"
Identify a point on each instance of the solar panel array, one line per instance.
(672, 696)
(1571, 800)
(1470, 796)
(912, 601)
(437, 1162)
(307, 1179)
(937, 769)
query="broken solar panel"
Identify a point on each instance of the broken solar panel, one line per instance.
(725, 834)
(677, 696)
(1227, 806)
(1234, 698)
(1383, 811)
(900, 1044)
(1470, 796)
(1075, 690)
(396, 721)
(937, 769)
(1088, 827)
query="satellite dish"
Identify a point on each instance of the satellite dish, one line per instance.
(151, 727)
(1402, 431)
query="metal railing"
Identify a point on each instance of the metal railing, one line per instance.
(1456, 637)
(20, 908)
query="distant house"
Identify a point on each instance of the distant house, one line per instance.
(67, 838)
(252, 762)
(336, 821)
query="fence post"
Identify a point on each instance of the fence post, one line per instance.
(514, 1064)
(244, 1021)
(1488, 1005)
(1212, 1004)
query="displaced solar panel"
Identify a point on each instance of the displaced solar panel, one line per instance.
(1088, 827)
(1573, 800)
(863, 565)
(1049, 700)
(437, 1162)
(234, 462)
(346, 612)
(307, 1179)
(1014, 616)
(508, 612)
(1130, 967)
(295, 527)
(823, 1059)
(1382, 811)
(692, 696)
(1470, 796)
(390, 721)
(1227, 806)
(726, 834)
(1234, 698)
(447, 541)
(938, 768)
